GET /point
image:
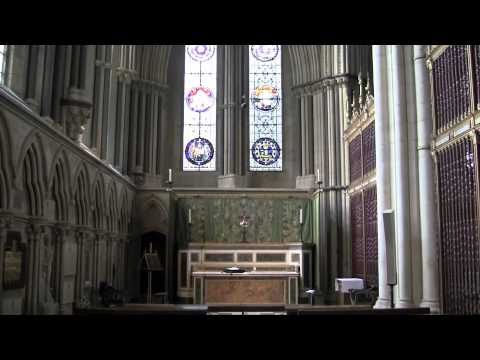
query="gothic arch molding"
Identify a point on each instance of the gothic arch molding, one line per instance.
(61, 156)
(98, 202)
(6, 166)
(153, 216)
(81, 196)
(33, 139)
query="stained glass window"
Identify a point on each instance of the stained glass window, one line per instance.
(200, 113)
(265, 89)
(3, 61)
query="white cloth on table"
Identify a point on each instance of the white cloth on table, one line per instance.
(343, 285)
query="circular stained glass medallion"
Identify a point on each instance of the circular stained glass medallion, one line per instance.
(265, 151)
(265, 52)
(201, 52)
(199, 151)
(265, 98)
(200, 99)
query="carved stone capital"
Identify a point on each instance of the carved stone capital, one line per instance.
(124, 75)
(76, 112)
(429, 64)
(5, 222)
(62, 231)
(138, 177)
(35, 232)
(342, 80)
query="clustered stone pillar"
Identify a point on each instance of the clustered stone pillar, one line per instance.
(61, 232)
(306, 118)
(77, 108)
(35, 76)
(325, 108)
(34, 234)
(402, 193)
(232, 137)
(404, 175)
(3, 238)
(79, 237)
(146, 129)
(426, 184)
(382, 158)
(307, 171)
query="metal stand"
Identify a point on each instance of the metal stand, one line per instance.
(149, 289)
(152, 264)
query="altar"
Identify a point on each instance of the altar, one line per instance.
(253, 287)
(274, 273)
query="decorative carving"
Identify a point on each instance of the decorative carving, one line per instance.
(77, 112)
(139, 177)
(124, 75)
(361, 104)
(360, 87)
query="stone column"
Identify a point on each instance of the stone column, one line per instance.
(76, 107)
(307, 133)
(79, 273)
(382, 155)
(342, 85)
(133, 129)
(426, 184)
(4, 224)
(34, 233)
(61, 233)
(230, 178)
(141, 130)
(162, 161)
(96, 242)
(35, 70)
(402, 192)
(307, 176)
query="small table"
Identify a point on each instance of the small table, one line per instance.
(344, 285)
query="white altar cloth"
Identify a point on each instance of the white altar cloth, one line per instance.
(343, 285)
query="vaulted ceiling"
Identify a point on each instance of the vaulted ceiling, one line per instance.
(309, 63)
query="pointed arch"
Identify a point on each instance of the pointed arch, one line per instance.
(98, 202)
(59, 185)
(6, 166)
(34, 138)
(112, 209)
(32, 184)
(153, 215)
(60, 156)
(124, 212)
(81, 196)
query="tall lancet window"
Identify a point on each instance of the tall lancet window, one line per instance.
(200, 113)
(265, 87)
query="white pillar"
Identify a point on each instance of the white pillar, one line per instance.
(382, 155)
(430, 297)
(402, 202)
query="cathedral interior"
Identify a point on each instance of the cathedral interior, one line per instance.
(275, 178)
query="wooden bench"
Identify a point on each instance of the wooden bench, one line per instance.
(146, 309)
(350, 310)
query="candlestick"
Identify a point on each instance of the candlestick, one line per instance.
(169, 175)
(301, 216)
(318, 175)
(189, 216)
